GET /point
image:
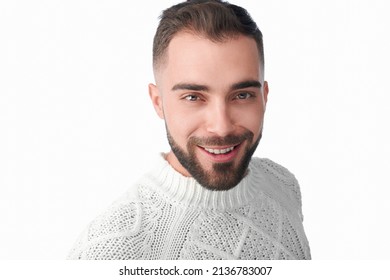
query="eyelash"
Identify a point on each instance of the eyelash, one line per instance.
(248, 95)
(191, 97)
(188, 97)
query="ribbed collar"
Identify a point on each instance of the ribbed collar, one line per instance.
(186, 190)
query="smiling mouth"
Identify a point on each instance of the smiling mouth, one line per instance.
(219, 151)
(225, 153)
(221, 154)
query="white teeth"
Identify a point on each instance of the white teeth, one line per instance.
(218, 151)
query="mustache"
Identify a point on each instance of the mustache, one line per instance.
(228, 140)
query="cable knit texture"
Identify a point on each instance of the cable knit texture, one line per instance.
(169, 216)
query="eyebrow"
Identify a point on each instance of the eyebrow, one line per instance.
(246, 84)
(236, 86)
(193, 87)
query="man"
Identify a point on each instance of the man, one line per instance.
(207, 198)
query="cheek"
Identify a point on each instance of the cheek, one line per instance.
(181, 123)
(251, 118)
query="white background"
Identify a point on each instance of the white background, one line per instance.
(77, 127)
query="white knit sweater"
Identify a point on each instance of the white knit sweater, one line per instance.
(169, 216)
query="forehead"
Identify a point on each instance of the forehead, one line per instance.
(194, 58)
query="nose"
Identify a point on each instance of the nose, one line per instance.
(219, 119)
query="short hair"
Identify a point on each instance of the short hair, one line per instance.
(215, 19)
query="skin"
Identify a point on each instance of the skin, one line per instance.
(210, 94)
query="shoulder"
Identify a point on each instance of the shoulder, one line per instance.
(280, 179)
(120, 218)
(120, 221)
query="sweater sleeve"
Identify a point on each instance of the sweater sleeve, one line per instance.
(107, 232)
(286, 180)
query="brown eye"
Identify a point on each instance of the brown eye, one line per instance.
(243, 95)
(191, 98)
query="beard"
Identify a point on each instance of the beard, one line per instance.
(222, 176)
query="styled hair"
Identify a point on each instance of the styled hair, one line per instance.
(215, 19)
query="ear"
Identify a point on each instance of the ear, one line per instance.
(265, 92)
(156, 98)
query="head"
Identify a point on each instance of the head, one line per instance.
(208, 64)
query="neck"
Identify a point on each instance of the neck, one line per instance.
(186, 190)
(174, 162)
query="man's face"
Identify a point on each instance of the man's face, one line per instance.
(212, 97)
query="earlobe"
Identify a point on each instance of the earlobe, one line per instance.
(156, 100)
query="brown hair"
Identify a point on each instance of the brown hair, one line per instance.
(217, 20)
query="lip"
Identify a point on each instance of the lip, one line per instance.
(220, 147)
(221, 158)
